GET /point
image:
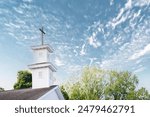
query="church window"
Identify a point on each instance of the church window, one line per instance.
(40, 75)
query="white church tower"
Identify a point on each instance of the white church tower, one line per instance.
(42, 69)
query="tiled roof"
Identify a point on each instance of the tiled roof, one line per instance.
(24, 94)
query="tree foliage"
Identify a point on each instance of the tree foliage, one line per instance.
(142, 94)
(65, 94)
(95, 84)
(1, 89)
(89, 86)
(24, 80)
(121, 86)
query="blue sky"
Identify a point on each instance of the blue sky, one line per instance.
(111, 34)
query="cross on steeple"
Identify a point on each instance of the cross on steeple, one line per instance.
(42, 34)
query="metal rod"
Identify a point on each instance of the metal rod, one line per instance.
(42, 35)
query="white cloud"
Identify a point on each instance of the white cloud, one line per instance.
(83, 51)
(19, 10)
(10, 24)
(138, 61)
(116, 22)
(123, 15)
(128, 5)
(111, 2)
(93, 42)
(58, 62)
(92, 60)
(141, 53)
(4, 11)
(141, 2)
(131, 49)
(120, 17)
(27, 1)
(139, 70)
(96, 28)
(75, 52)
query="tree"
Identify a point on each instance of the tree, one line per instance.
(142, 94)
(89, 86)
(1, 89)
(95, 84)
(24, 80)
(121, 85)
(65, 94)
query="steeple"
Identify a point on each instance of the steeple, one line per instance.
(42, 69)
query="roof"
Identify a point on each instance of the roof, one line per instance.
(25, 94)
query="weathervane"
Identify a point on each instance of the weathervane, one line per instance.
(42, 34)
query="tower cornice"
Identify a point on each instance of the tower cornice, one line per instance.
(45, 46)
(43, 65)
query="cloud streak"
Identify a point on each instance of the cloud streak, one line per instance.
(141, 53)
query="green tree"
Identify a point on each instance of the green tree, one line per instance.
(89, 86)
(121, 85)
(24, 80)
(142, 94)
(95, 84)
(1, 89)
(65, 94)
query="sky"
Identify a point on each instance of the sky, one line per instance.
(110, 34)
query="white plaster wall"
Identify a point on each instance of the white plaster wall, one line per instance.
(51, 95)
(51, 77)
(44, 81)
(39, 58)
(54, 94)
(47, 56)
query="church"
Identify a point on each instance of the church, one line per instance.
(42, 77)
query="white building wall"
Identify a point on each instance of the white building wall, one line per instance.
(41, 78)
(50, 77)
(54, 94)
(48, 56)
(41, 56)
(42, 70)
